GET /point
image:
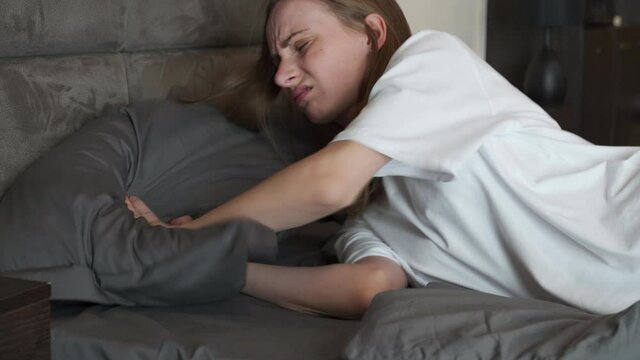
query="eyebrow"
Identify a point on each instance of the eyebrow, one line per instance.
(286, 41)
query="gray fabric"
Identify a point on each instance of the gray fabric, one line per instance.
(64, 220)
(41, 27)
(43, 100)
(192, 159)
(61, 27)
(237, 328)
(169, 24)
(445, 322)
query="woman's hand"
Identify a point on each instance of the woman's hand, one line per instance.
(140, 209)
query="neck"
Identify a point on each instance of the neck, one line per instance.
(346, 118)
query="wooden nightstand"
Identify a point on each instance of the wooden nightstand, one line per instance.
(25, 317)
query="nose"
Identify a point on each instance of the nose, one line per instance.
(287, 74)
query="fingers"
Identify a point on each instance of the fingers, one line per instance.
(130, 207)
(139, 208)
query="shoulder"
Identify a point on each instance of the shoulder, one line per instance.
(430, 42)
(431, 54)
(430, 61)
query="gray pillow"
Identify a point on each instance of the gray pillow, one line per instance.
(64, 219)
(446, 322)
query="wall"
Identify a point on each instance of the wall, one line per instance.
(464, 18)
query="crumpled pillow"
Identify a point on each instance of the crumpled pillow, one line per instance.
(64, 219)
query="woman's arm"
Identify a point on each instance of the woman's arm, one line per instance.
(342, 290)
(307, 190)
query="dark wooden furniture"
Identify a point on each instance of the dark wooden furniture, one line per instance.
(611, 84)
(600, 58)
(24, 319)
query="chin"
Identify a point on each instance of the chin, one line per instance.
(327, 117)
(319, 118)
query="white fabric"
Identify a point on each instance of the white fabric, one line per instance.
(485, 190)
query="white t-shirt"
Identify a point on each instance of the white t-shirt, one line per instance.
(484, 190)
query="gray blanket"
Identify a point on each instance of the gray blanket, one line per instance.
(446, 322)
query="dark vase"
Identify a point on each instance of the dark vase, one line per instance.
(545, 82)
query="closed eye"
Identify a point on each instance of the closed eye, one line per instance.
(302, 47)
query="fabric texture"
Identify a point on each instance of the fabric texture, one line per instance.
(65, 221)
(44, 100)
(64, 62)
(30, 28)
(445, 322)
(240, 327)
(487, 192)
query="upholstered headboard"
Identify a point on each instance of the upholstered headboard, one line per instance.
(63, 62)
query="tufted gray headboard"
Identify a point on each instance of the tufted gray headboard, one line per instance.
(64, 61)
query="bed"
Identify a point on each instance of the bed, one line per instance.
(88, 113)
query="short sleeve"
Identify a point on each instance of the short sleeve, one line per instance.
(355, 242)
(430, 109)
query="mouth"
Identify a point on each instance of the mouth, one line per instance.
(300, 93)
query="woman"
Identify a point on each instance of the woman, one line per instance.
(481, 187)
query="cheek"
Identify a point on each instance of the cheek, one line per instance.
(346, 71)
(355, 65)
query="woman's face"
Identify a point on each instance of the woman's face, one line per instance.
(320, 62)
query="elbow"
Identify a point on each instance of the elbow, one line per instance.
(377, 282)
(332, 194)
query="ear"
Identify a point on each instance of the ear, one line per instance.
(379, 27)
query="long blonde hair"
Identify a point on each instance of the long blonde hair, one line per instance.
(259, 88)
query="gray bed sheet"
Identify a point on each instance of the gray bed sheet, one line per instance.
(240, 327)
